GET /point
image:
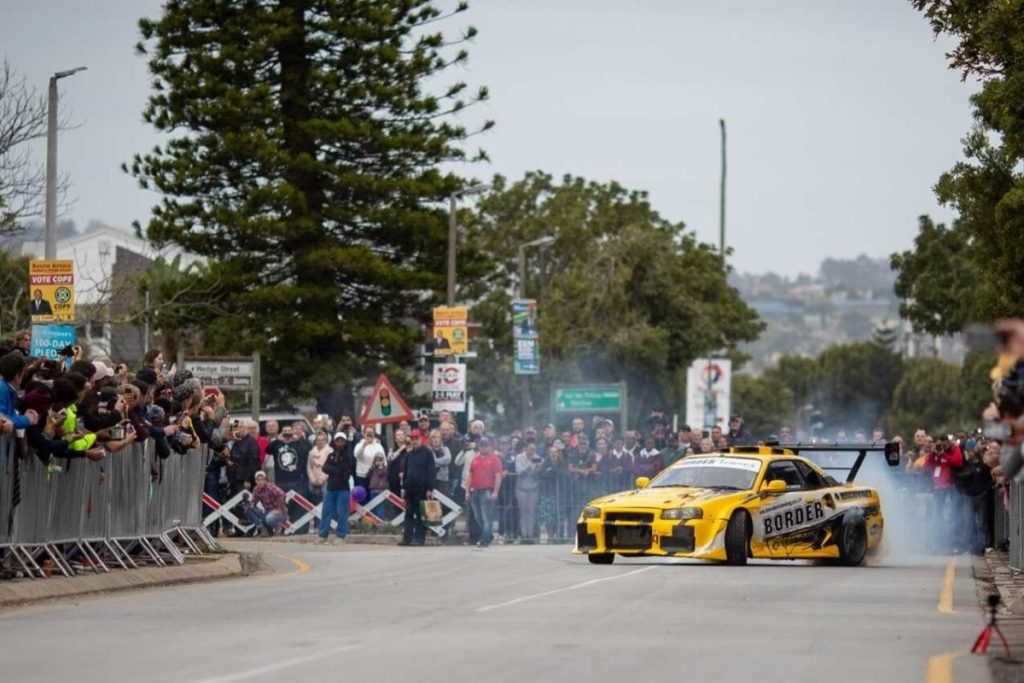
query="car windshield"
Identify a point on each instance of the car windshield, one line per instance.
(713, 473)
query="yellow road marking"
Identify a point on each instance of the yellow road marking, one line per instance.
(300, 566)
(132, 593)
(946, 594)
(940, 668)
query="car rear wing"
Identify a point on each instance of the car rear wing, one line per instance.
(890, 449)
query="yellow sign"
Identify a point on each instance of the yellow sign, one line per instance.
(451, 331)
(51, 290)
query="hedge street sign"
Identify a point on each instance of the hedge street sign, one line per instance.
(227, 374)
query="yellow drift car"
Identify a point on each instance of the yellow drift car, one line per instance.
(761, 502)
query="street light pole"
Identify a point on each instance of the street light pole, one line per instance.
(525, 403)
(721, 198)
(453, 229)
(50, 225)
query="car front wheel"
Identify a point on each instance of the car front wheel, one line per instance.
(601, 558)
(737, 539)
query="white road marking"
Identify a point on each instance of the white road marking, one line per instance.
(276, 666)
(591, 582)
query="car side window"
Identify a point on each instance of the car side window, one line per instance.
(811, 476)
(787, 472)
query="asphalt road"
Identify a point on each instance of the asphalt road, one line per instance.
(511, 613)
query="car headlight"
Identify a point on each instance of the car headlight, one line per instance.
(682, 513)
(591, 512)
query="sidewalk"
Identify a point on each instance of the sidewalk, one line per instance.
(205, 568)
(992, 574)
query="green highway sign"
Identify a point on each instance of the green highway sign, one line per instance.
(589, 399)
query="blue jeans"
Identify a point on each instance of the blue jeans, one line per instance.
(271, 520)
(336, 504)
(483, 510)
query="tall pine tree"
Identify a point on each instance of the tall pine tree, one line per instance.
(304, 160)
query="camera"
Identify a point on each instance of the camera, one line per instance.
(67, 351)
(117, 433)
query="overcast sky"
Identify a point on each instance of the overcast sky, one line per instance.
(841, 115)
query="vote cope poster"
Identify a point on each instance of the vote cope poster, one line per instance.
(51, 290)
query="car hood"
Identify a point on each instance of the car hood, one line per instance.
(669, 496)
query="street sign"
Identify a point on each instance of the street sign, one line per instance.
(225, 373)
(709, 392)
(600, 398)
(451, 331)
(47, 340)
(51, 290)
(449, 387)
(385, 405)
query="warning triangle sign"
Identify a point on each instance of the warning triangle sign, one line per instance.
(385, 405)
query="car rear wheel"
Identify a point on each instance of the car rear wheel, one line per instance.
(737, 538)
(601, 558)
(853, 541)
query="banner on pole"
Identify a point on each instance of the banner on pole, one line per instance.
(51, 290)
(525, 337)
(47, 340)
(451, 331)
(709, 392)
(449, 387)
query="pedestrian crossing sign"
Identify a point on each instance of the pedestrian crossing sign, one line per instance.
(385, 405)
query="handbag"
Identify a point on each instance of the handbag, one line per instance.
(430, 512)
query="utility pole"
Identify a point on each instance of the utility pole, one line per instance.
(453, 229)
(526, 404)
(50, 225)
(721, 198)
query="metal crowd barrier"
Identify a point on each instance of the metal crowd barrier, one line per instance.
(131, 508)
(1014, 525)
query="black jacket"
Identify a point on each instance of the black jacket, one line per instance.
(339, 466)
(245, 460)
(420, 470)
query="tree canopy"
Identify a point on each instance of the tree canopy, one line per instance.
(974, 269)
(623, 292)
(304, 154)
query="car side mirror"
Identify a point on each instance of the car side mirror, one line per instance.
(892, 453)
(642, 482)
(774, 486)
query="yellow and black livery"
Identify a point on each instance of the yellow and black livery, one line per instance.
(749, 502)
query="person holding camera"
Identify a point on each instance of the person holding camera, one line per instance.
(528, 465)
(339, 468)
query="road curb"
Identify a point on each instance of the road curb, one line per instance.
(25, 591)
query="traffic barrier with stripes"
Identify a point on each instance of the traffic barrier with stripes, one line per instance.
(311, 513)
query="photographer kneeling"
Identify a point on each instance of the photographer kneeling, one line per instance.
(267, 510)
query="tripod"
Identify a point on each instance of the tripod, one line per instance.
(981, 644)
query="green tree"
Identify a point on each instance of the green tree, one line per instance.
(856, 383)
(928, 396)
(764, 402)
(975, 269)
(624, 293)
(800, 375)
(975, 384)
(14, 313)
(303, 159)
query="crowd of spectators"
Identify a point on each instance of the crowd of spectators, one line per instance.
(524, 486)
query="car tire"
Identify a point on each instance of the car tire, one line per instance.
(852, 541)
(601, 558)
(737, 538)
